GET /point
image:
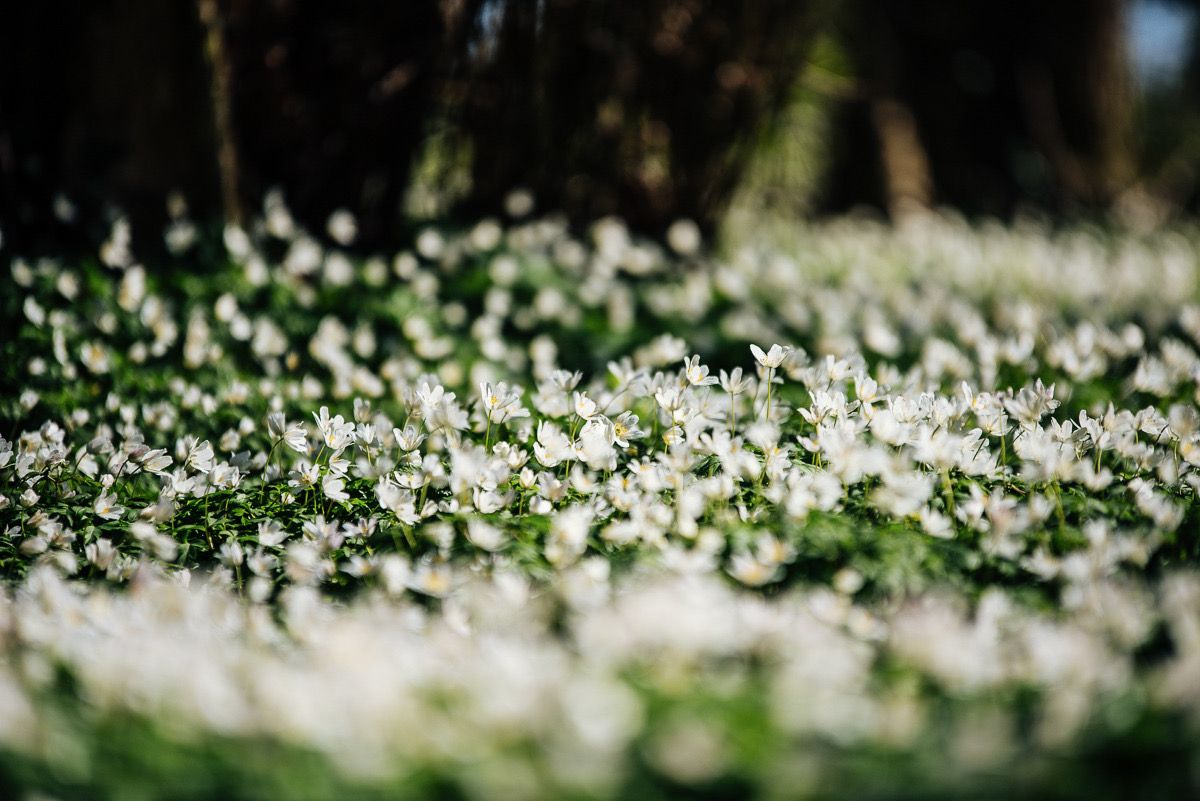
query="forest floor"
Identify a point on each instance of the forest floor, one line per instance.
(890, 512)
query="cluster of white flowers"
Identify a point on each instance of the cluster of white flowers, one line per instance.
(526, 694)
(984, 405)
(676, 463)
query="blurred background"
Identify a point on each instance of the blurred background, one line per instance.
(657, 110)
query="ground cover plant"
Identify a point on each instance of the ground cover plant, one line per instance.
(881, 512)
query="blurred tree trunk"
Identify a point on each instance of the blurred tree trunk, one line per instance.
(220, 70)
(1011, 104)
(123, 101)
(1169, 128)
(1189, 197)
(1075, 86)
(649, 110)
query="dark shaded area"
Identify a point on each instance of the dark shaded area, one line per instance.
(984, 106)
(330, 101)
(1168, 120)
(649, 110)
(102, 101)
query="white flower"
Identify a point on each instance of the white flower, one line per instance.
(500, 403)
(276, 424)
(552, 446)
(733, 382)
(568, 536)
(199, 456)
(95, 358)
(585, 407)
(107, 508)
(595, 446)
(772, 358)
(488, 501)
(156, 461)
(306, 476)
(625, 428)
(231, 553)
(333, 487)
(484, 535)
(409, 439)
(684, 237)
(100, 553)
(342, 227)
(336, 433)
(225, 476)
(752, 572)
(400, 502)
(271, 534)
(697, 373)
(1031, 404)
(33, 311)
(936, 524)
(431, 578)
(296, 438)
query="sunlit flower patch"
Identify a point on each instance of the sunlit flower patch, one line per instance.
(520, 514)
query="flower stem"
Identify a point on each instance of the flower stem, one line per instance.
(948, 493)
(770, 386)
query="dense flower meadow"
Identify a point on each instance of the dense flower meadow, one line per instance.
(886, 512)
